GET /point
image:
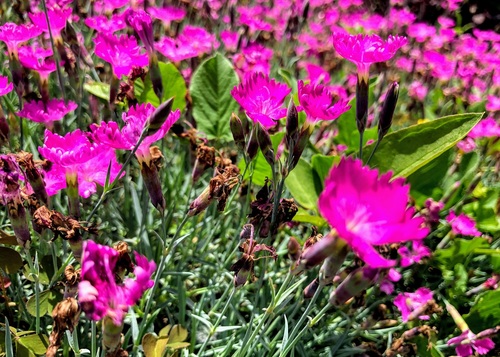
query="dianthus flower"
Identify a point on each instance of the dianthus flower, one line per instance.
(5, 86)
(486, 128)
(141, 22)
(462, 224)
(318, 103)
(99, 294)
(262, 98)
(363, 50)
(413, 305)
(102, 24)
(197, 38)
(468, 342)
(35, 58)
(167, 14)
(122, 53)
(367, 210)
(493, 103)
(57, 19)
(47, 113)
(135, 121)
(253, 58)
(14, 35)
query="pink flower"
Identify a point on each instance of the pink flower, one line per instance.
(174, 51)
(5, 86)
(253, 58)
(493, 103)
(318, 103)
(90, 173)
(467, 145)
(199, 39)
(230, 39)
(262, 98)
(410, 302)
(387, 283)
(141, 22)
(417, 90)
(102, 24)
(122, 53)
(421, 31)
(367, 210)
(14, 35)
(57, 19)
(418, 252)
(316, 74)
(34, 58)
(167, 14)
(467, 342)
(53, 110)
(462, 224)
(99, 293)
(126, 138)
(486, 128)
(366, 49)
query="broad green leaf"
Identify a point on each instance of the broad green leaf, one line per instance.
(174, 85)
(348, 130)
(303, 185)
(99, 89)
(213, 104)
(36, 344)
(485, 313)
(10, 260)
(322, 164)
(459, 251)
(426, 348)
(47, 300)
(406, 150)
(262, 170)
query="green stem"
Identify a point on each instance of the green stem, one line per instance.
(361, 145)
(373, 151)
(93, 348)
(218, 321)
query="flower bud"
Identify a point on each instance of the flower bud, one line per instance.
(299, 147)
(159, 116)
(292, 125)
(387, 112)
(253, 144)
(19, 222)
(355, 283)
(237, 130)
(311, 289)
(265, 144)
(151, 179)
(155, 75)
(362, 102)
(333, 263)
(4, 128)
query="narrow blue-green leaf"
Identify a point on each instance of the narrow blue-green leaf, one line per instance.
(213, 104)
(406, 150)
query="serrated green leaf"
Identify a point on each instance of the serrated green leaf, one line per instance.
(174, 85)
(213, 104)
(10, 260)
(99, 89)
(406, 150)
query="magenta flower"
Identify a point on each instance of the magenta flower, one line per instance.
(363, 50)
(486, 128)
(462, 224)
(174, 51)
(34, 58)
(167, 14)
(57, 19)
(90, 173)
(318, 103)
(493, 103)
(367, 210)
(126, 138)
(99, 293)
(262, 98)
(467, 145)
(122, 53)
(199, 39)
(141, 22)
(102, 24)
(5, 86)
(14, 35)
(407, 303)
(253, 58)
(468, 342)
(418, 252)
(53, 110)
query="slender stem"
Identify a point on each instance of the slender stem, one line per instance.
(255, 332)
(361, 145)
(320, 315)
(93, 348)
(276, 204)
(373, 151)
(56, 54)
(217, 322)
